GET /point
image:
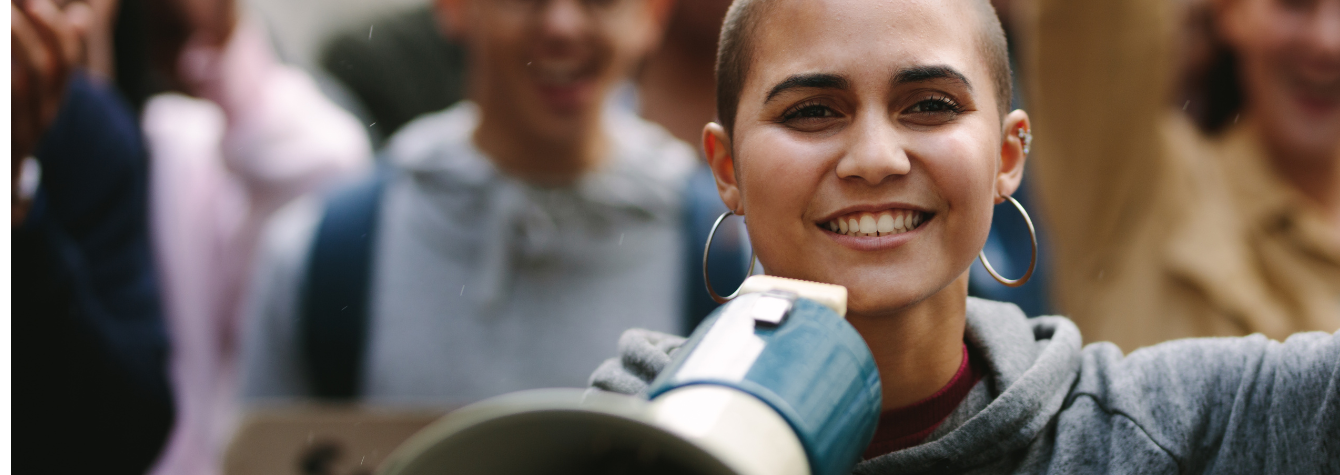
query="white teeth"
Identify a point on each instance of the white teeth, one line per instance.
(868, 224)
(885, 223)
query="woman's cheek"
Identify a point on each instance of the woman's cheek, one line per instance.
(780, 174)
(779, 178)
(963, 171)
(960, 169)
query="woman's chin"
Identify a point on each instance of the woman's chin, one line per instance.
(880, 302)
(881, 283)
(884, 295)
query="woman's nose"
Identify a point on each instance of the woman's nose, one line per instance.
(563, 18)
(875, 153)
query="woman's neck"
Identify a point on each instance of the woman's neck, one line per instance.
(920, 348)
(534, 158)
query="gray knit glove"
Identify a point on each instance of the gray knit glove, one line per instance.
(642, 355)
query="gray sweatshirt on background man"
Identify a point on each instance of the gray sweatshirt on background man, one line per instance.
(482, 284)
(1246, 405)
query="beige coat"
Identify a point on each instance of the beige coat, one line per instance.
(1160, 231)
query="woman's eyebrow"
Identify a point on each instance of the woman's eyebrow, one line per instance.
(814, 80)
(930, 73)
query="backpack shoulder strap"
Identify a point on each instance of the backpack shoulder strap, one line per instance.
(336, 288)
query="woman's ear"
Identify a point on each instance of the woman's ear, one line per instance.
(1013, 152)
(717, 149)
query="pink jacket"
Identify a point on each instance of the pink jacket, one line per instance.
(260, 135)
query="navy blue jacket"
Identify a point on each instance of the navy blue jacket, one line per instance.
(90, 390)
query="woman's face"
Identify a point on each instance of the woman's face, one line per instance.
(868, 147)
(1289, 60)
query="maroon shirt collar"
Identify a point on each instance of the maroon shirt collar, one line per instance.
(910, 425)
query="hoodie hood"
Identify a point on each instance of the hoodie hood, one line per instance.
(1030, 366)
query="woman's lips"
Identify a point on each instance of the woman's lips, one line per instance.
(880, 223)
(887, 229)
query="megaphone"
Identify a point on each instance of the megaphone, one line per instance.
(774, 382)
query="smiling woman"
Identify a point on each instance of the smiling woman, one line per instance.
(827, 130)
(870, 155)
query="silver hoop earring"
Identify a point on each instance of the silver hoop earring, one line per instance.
(708, 249)
(1033, 235)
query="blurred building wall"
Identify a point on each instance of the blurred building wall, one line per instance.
(301, 27)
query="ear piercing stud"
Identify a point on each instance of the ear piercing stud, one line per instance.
(1027, 138)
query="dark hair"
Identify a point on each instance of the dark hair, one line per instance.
(1209, 90)
(142, 63)
(735, 54)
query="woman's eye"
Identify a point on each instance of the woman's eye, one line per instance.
(936, 105)
(814, 111)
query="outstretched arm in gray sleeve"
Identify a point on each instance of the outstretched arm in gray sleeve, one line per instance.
(1232, 405)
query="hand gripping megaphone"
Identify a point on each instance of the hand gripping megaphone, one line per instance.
(774, 382)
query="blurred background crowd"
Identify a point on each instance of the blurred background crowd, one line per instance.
(242, 229)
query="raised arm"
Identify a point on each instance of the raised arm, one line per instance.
(1099, 76)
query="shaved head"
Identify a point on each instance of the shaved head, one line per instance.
(735, 53)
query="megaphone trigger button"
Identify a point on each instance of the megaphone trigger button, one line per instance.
(770, 309)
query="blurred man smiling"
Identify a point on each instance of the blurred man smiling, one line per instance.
(503, 235)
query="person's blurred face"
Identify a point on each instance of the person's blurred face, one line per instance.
(550, 63)
(868, 147)
(1289, 53)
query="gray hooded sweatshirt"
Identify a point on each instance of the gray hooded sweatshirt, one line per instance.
(1246, 405)
(482, 284)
